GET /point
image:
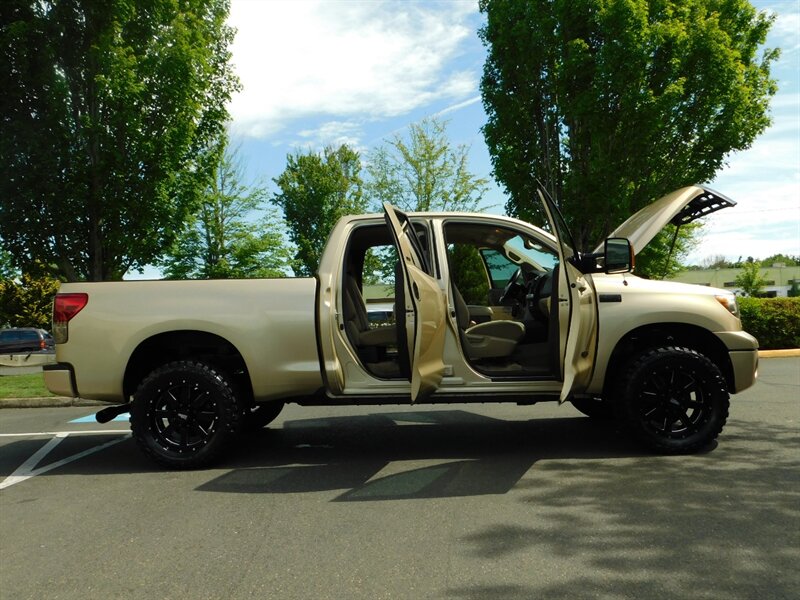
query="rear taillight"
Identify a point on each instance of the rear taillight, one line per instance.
(42, 345)
(65, 307)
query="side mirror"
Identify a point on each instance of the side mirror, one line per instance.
(618, 256)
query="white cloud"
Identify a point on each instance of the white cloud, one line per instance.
(765, 221)
(372, 59)
(333, 133)
(787, 24)
(458, 106)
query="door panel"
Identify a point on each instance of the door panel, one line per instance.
(581, 335)
(425, 308)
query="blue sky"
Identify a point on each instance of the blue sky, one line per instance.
(328, 72)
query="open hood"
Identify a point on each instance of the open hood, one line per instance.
(679, 208)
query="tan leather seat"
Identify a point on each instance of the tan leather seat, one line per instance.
(493, 339)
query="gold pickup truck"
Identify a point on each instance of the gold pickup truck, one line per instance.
(195, 362)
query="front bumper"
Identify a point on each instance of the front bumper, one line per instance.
(743, 352)
(60, 379)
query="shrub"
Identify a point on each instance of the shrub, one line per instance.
(774, 321)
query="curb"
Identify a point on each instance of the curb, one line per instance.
(48, 402)
(779, 353)
(62, 401)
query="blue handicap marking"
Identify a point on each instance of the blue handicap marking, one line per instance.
(91, 419)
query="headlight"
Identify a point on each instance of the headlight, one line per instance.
(729, 302)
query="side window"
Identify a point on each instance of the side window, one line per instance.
(378, 283)
(379, 262)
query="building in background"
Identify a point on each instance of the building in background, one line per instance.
(779, 279)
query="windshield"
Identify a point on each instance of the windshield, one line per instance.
(521, 249)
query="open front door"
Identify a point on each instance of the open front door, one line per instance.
(424, 308)
(576, 291)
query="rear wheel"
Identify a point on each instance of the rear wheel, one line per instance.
(183, 414)
(674, 400)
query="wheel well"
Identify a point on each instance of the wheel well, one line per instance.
(670, 334)
(208, 348)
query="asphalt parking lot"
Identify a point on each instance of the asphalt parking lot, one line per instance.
(468, 501)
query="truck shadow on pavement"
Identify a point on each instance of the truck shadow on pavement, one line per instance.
(408, 455)
(723, 525)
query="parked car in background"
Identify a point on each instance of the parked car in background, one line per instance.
(24, 340)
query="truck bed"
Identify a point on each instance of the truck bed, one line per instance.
(269, 322)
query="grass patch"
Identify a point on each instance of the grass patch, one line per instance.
(23, 386)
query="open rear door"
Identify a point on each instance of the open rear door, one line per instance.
(424, 307)
(578, 290)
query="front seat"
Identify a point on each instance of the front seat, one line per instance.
(493, 339)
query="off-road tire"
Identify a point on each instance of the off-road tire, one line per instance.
(261, 415)
(672, 399)
(184, 413)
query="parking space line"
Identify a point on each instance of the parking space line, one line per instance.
(50, 433)
(28, 469)
(91, 418)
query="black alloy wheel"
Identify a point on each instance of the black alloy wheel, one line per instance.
(183, 414)
(674, 400)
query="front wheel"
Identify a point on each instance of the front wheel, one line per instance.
(183, 414)
(674, 400)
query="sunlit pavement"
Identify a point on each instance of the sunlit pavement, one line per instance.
(469, 501)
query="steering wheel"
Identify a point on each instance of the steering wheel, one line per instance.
(513, 287)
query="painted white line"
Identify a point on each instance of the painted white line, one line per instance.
(24, 471)
(28, 470)
(79, 432)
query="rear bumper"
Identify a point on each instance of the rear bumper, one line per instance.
(60, 379)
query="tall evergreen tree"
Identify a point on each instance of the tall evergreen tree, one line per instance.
(611, 104)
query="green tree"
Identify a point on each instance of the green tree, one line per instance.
(610, 104)
(663, 257)
(7, 269)
(750, 280)
(105, 107)
(787, 260)
(316, 189)
(27, 302)
(423, 172)
(230, 235)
